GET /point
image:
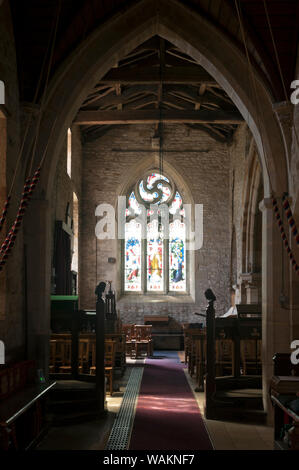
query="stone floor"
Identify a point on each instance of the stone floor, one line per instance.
(91, 435)
(94, 435)
(227, 435)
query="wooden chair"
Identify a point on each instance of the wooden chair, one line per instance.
(192, 334)
(64, 347)
(224, 357)
(251, 356)
(191, 358)
(144, 339)
(120, 349)
(130, 334)
(60, 353)
(186, 341)
(53, 355)
(109, 363)
(200, 360)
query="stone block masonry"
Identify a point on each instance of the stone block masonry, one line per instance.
(203, 165)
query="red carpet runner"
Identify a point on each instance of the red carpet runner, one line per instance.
(167, 415)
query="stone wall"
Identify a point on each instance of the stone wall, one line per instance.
(11, 315)
(65, 185)
(246, 191)
(203, 165)
(294, 170)
(238, 152)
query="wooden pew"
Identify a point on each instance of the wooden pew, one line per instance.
(283, 392)
(22, 408)
(235, 394)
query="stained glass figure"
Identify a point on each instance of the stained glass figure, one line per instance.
(155, 272)
(176, 203)
(132, 256)
(133, 204)
(177, 265)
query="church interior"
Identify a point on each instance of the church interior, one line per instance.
(149, 196)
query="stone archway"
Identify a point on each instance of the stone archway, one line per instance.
(251, 194)
(193, 35)
(251, 231)
(93, 58)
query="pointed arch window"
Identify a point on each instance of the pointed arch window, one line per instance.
(155, 237)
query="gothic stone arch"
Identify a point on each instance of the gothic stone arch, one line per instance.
(201, 40)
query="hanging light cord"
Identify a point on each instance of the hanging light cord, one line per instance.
(253, 85)
(160, 116)
(45, 90)
(31, 182)
(278, 64)
(20, 153)
(284, 90)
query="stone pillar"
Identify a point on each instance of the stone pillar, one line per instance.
(284, 113)
(38, 263)
(251, 283)
(276, 325)
(252, 294)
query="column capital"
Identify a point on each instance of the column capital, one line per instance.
(266, 204)
(28, 108)
(284, 111)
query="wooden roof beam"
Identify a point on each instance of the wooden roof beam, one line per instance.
(151, 116)
(150, 75)
(218, 136)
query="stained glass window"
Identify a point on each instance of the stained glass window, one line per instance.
(176, 203)
(133, 256)
(133, 204)
(155, 249)
(157, 255)
(177, 265)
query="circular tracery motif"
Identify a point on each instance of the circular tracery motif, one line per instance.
(154, 189)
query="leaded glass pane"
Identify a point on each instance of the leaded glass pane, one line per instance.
(133, 204)
(155, 271)
(133, 256)
(176, 203)
(177, 263)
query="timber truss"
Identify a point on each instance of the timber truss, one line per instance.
(158, 83)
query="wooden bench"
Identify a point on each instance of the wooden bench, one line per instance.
(22, 408)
